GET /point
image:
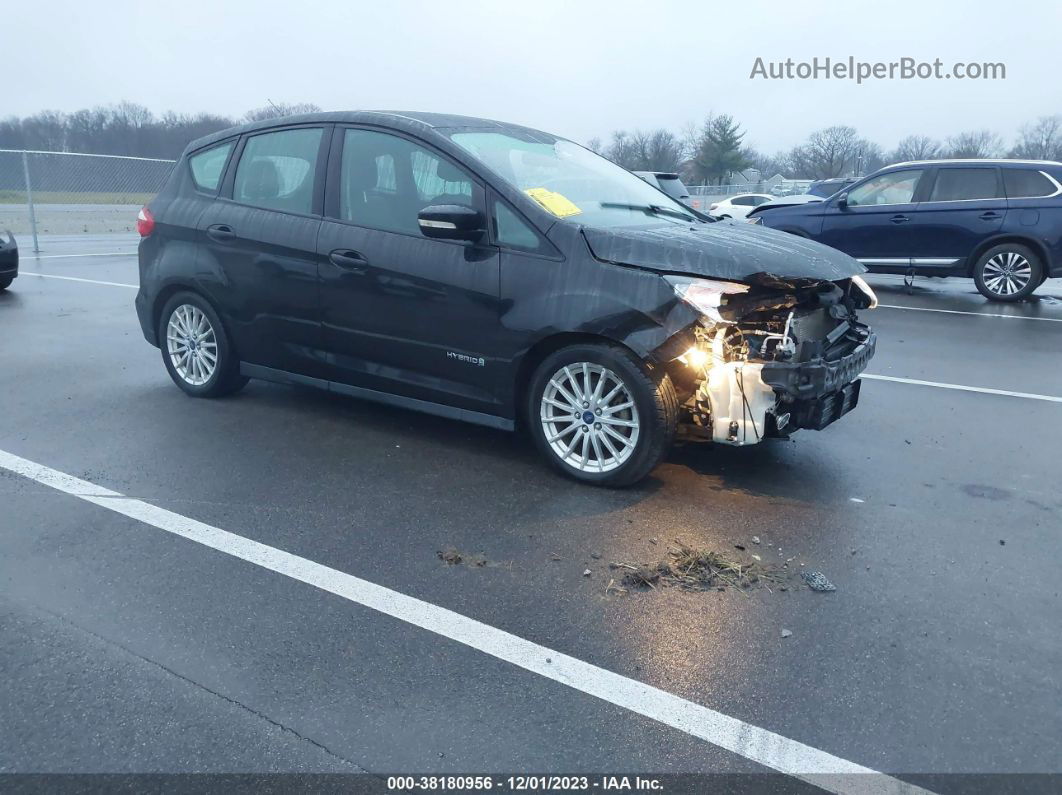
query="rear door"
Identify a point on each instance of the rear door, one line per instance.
(963, 206)
(405, 314)
(874, 225)
(258, 249)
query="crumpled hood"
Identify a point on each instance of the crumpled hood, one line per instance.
(722, 250)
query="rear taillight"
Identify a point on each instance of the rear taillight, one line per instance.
(145, 222)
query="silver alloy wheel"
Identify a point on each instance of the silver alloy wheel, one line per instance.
(1007, 273)
(191, 344)
(589, 417)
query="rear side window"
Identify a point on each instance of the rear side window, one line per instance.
(958, 184)
(743, 201)
(276, 170)
(1024, 183)
(207, 165)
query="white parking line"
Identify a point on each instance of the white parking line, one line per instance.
(982, 389)
(759, 745)
(68, 256)
(77, 279)
(973, 314)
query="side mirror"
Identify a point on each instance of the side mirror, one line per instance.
(842, 201)
(451, 222)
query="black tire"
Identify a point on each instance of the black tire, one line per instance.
(5, 282)
(997, 285)
(652, 394)
(225, 378)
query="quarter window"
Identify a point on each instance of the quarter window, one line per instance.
(276, 170)
(1024, 183)
(207, 166)
(386, 180)
(958, 184)
(510, 230)
(896, 187)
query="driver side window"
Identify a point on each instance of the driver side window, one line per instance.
(385, 180)
(897, 187)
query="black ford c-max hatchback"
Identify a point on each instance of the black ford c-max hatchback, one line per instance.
(496, 274)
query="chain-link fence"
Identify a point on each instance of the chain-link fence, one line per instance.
(786, 187)
(63, 193)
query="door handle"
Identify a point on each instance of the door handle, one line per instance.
(991, 215)
(345, 258)
(221, 232)
(899, 219)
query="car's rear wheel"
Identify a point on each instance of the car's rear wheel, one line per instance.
(1008, 272)
(196, 349)
(599, 415)
(6, 282)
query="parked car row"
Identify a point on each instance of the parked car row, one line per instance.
(997, 221)
(496, 274)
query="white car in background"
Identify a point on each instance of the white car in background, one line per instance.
(737, 206)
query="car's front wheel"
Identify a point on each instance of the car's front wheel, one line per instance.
(600, 415)
(1008, 272)
(195, 348)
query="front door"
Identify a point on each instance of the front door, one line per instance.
(874, 224)
(402, 313)
(258, 249)
(965, 206)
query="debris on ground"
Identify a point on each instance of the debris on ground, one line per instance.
(595, 555)
(786, 633)
(700, 570)
(738, 546)
(587, 573)
(755, 539)
(640, 576)
(451, 556)
(817, 581)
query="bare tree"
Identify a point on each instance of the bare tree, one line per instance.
(827, 153)
(275, 110)
(915, 147)
(657, 150)
(1041, 140)
(974, 144)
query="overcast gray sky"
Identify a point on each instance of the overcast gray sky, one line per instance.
(578, 69)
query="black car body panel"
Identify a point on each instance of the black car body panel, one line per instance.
(453, 327)
(8, 257)
(722, 250)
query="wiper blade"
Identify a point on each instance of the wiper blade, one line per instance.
(651, 209)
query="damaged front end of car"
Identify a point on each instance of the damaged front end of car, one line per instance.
(767, 357)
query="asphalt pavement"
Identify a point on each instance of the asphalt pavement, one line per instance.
(125, 648)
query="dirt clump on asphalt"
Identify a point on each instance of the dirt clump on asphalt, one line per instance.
(694, 569)
(451, 556)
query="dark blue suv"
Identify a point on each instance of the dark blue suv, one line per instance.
(999, 221)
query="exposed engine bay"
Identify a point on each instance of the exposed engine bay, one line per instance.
(768, 358)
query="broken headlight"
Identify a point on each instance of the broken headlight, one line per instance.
(860, 282)
(705, 295)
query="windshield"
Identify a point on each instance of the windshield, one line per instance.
(572, 182)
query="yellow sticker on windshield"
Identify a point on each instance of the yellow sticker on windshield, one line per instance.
(556, 203)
